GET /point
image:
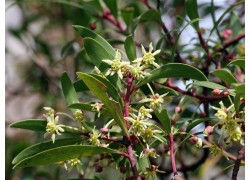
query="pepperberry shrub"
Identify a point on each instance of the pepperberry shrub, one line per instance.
(132, 122)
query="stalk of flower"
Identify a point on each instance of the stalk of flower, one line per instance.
(116, 65)
(148, 58)
(52, 127)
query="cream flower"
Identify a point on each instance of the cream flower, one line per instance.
(53, 127)
(148, 57)
(117, 65)
(155, 100)
(137, 71)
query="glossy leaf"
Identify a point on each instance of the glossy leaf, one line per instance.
(83, 106)
(30, 124)
(238, 62)
(176, 70)
(80, 86)
(225, 76)
(208, 84)
(112, 5)
(130, 48)
(195, 123)
(164, 119)
(97, 52)
(37, 148)
(192, 12)
(100, 90)
(151, 15)
(84, 32)
(127, 15)
(61, 154)
(68, 89)
(39, 125)
(234, 5)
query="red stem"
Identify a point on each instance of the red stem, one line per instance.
(126, 99)
(109, 17)
(203, 98)
(172, 154)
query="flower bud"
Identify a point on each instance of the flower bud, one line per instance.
(98, 168)
(194, 140)
(216, 92)
(226, 33)
(177, 109)
(123, 169)
(208, 131)
(92, 26)
(225, 92)
(104, 130)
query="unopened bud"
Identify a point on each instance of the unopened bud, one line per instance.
(216, 92)
(92, 26)
(203, 114)
(123, 169)
(226, 33)
(208, 131)
(242, 100)
(225, 92)
(177, 109)
(104, 130)
(98, 168)
(194, 140)
(199, 143)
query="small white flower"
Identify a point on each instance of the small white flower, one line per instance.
(93, 139)
(143, 112)
(53, 127)
(117, 65)
(155, 100)
(79, 115)
(137, 71)
(148, 57)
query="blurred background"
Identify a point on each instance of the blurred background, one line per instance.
(41, 44)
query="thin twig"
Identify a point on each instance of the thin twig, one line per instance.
(240, 156)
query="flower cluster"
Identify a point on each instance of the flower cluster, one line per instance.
(138, 66)
(52, 127)
(230, 126)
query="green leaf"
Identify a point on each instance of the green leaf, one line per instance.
(127, 15)
(235, 24)
(111, 90)
(83, 6)
(225, 76)
(130, 48)
(112, 5)
(100, 90)
(192, 12)
(234, 5)
(80, 86)
(37, 148)
(68, 90)
(97, 53)
(61, 154)
(30, 124)
(84, 32)
(208, 84)
(151, 15)
(240, 92)
(176, 70)
(238, 62)
(164, 119)
(83, 106)
(39, 125)
(195, 123)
